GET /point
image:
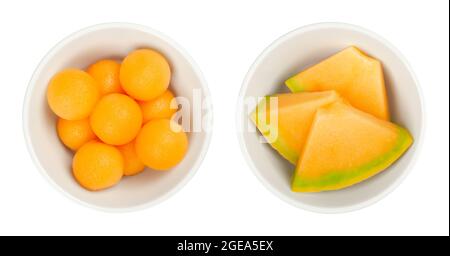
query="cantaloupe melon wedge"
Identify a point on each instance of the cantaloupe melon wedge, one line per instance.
(286, 124)
(346, 146)
(354, 75)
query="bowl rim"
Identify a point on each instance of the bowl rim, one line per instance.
(94, 28)
(240, 115)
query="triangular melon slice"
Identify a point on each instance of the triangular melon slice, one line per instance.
(354, 75)
(346, 146)
(285, 125)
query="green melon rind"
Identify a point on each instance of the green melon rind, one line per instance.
(345, 178)
(294, 85)
(279, 144)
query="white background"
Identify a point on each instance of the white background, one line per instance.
(224, 198)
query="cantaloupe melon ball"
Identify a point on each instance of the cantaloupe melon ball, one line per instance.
(116, 119)
(97, 166)
(132, 164)
(72, 94)
(74, 134)
(161, 144)
(106, 73)
(159, 107)
(145, 74)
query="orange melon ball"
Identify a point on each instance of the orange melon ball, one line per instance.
(159, 107)
(145, 74)
(106, 73)
(72, 94)
(161, 144)
(116, 119)
(74, 134)
(97, 166)
(133, 165)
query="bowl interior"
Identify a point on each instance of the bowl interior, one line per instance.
(80, 50)
(295, 52)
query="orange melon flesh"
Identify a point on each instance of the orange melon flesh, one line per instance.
(354, 75)
(346, 146)
(294, 115)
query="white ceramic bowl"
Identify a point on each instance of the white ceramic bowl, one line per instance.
(82, 48)
(294, 52)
